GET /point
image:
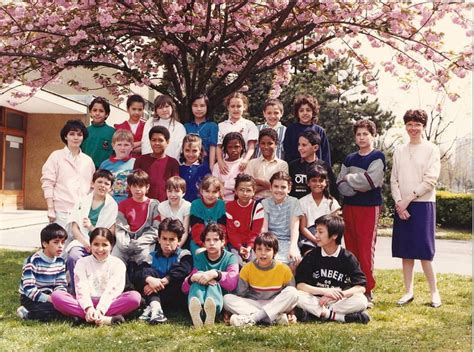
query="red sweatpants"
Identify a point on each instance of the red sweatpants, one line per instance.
(360, 236)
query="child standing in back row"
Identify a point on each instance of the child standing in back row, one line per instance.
(234, 147)
(236, 104)
(98, 145)
(205, 128)
(165, 116)
(306, 111)
(135, 107)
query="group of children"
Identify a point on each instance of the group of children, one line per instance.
(198, 216)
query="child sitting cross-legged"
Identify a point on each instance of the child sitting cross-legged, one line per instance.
(215, 270)
(265, 292)
(329, 279)
(160, 277)
(100, 281)
(43, 273)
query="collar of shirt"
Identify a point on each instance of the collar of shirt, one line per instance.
(335, 254)
(266, 125)
(263, 160)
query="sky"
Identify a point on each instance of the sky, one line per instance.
(421, 95)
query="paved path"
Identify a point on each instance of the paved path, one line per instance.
(20, 230)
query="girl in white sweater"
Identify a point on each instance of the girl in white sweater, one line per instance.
(100, 280)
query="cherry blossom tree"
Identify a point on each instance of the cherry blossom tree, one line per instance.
(214, 46)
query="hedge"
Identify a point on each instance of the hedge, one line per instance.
(454, 209)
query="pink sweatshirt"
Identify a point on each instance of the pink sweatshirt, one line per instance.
(104, 279)
(66, 178)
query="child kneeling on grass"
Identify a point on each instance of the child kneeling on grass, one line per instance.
(329, 278)
(43, 273)
(160, 277)
(265, 292)
(215, 270)
(100, 281)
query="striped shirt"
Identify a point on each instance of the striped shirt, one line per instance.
(260, 283)
(279, 217)
(41, 276)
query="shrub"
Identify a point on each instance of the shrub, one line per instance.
(454, 209)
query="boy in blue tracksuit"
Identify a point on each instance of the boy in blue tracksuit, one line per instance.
(159, 278)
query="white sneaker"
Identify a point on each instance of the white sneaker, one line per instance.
(210, 309)
(195, 312)
(22, 312)
(282, 319)
(241, 320)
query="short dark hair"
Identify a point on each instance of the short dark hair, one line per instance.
(319, 171)
(365, 123)
(233, 136)
(102, 232)
(312, 136)
(102, 101)
(73, 125)
(334, 223)
(138, 177)
(281, 175)
(267, 239)
(269, 132)
(213, 227)
(418, 115)
(104, 174)
(135, 98)
(171, 225)
(51, 232)
(307, 99)
(159, 130)
(245, 178)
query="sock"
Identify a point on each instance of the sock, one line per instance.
(155, 307)
(259, 316)
(331, 315)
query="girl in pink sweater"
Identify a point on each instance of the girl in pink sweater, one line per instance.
(100, 281)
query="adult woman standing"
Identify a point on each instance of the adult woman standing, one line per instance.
(416, 168)
(67, 174)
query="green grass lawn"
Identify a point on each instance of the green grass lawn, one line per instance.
(414, 327)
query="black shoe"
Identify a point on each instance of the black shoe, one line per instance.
(357, 317)
(301, 315)
(117, 319)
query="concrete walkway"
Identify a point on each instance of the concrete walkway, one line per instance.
(20, 230)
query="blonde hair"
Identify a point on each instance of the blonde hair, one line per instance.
(236, 95)
(122, 135)
(192, 138)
